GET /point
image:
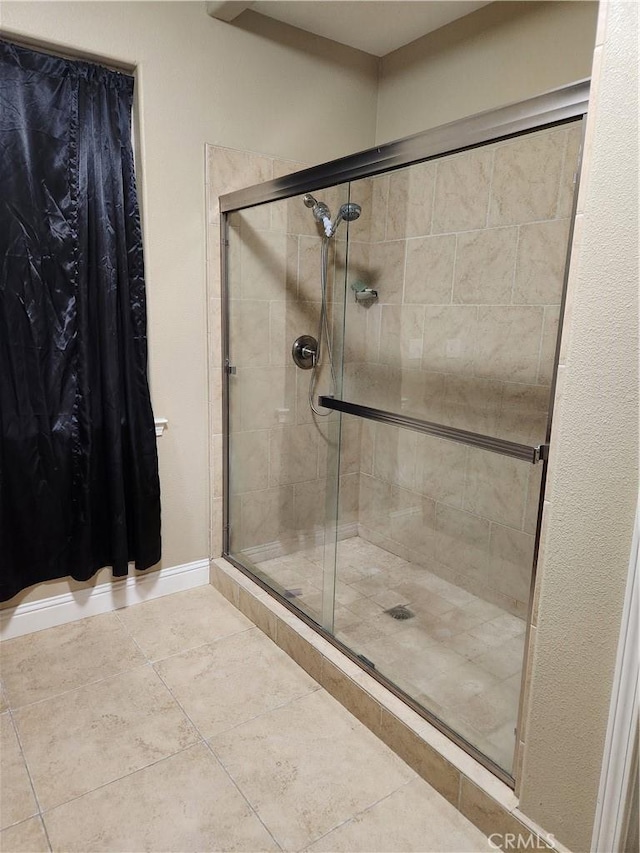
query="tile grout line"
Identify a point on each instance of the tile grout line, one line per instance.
(31, 782)
(19, 708)
(368, 808)
(218, 760)
(119, 779)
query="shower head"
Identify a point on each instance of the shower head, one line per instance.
(348, 212)
(318, 208)
(322, 214)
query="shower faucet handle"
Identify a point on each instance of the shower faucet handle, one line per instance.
(305, 352)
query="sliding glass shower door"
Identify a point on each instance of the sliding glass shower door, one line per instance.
(386, 465)
(278, 447)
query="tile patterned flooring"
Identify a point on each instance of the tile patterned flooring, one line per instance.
(176, 725)
(459, 656)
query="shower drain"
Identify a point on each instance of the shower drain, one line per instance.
(400, 611)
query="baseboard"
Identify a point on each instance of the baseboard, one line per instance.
(70, 606)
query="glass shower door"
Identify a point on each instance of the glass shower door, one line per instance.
(447, 387)
(280, 497)
(402, 515)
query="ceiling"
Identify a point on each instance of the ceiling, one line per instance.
(375, 26)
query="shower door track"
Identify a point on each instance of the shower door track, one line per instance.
(524, 452)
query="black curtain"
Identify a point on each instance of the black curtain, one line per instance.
(79, 484)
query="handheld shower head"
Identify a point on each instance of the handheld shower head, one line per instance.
(348, 212)
(322, 214)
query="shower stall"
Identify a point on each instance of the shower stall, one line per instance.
(391, 329)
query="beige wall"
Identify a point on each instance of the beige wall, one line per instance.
(593, 487)
(200, 80)
(500, 54)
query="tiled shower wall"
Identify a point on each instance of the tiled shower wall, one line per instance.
(467, 255)
(279, 450)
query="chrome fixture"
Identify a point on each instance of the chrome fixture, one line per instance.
(364, 294)
(305, 355)
(349, 212)
(322, 214)
(305, 351)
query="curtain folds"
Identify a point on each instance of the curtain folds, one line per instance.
(79, 485)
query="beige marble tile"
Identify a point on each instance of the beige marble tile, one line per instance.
(410, 201)
(460, 684)
(248, 321)
(26, 837)
(569, 168)
(185, 803)
(114, 728)
(462, 540)
(440, 469)
(508, 343)
(267, 516)
(452, 623)
(309, 269)
(462, 191)
(542, 255)
(18, 802)
(549, 343)
(429, 270)
(349, 499)
(293, 454)
(225, 683)
(222, 582)
(249, 460)
(490, 817)
(395, 456)
(511, 561)
(414, 818)
(296, 643)
(420, 756)
(401, 335)
(412, 520)
(385, 271)
(257, 610)
(181, 621)
(505, 660)
(265, 396)
(450, 333)
(351, 695)
(229, 169)
(526, 178)
(533, 499)
(379, 206)
(217, 518)
(375, 497)
(496, 487)
(53, 661)
(307, 767)
(485, 262)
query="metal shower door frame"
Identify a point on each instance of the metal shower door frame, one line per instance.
(560, 106)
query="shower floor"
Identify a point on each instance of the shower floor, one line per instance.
(457, 655)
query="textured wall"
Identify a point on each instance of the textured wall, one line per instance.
(501, 54)
(193, 89)
(593, 487)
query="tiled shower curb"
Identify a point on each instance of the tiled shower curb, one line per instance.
(474, 791)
